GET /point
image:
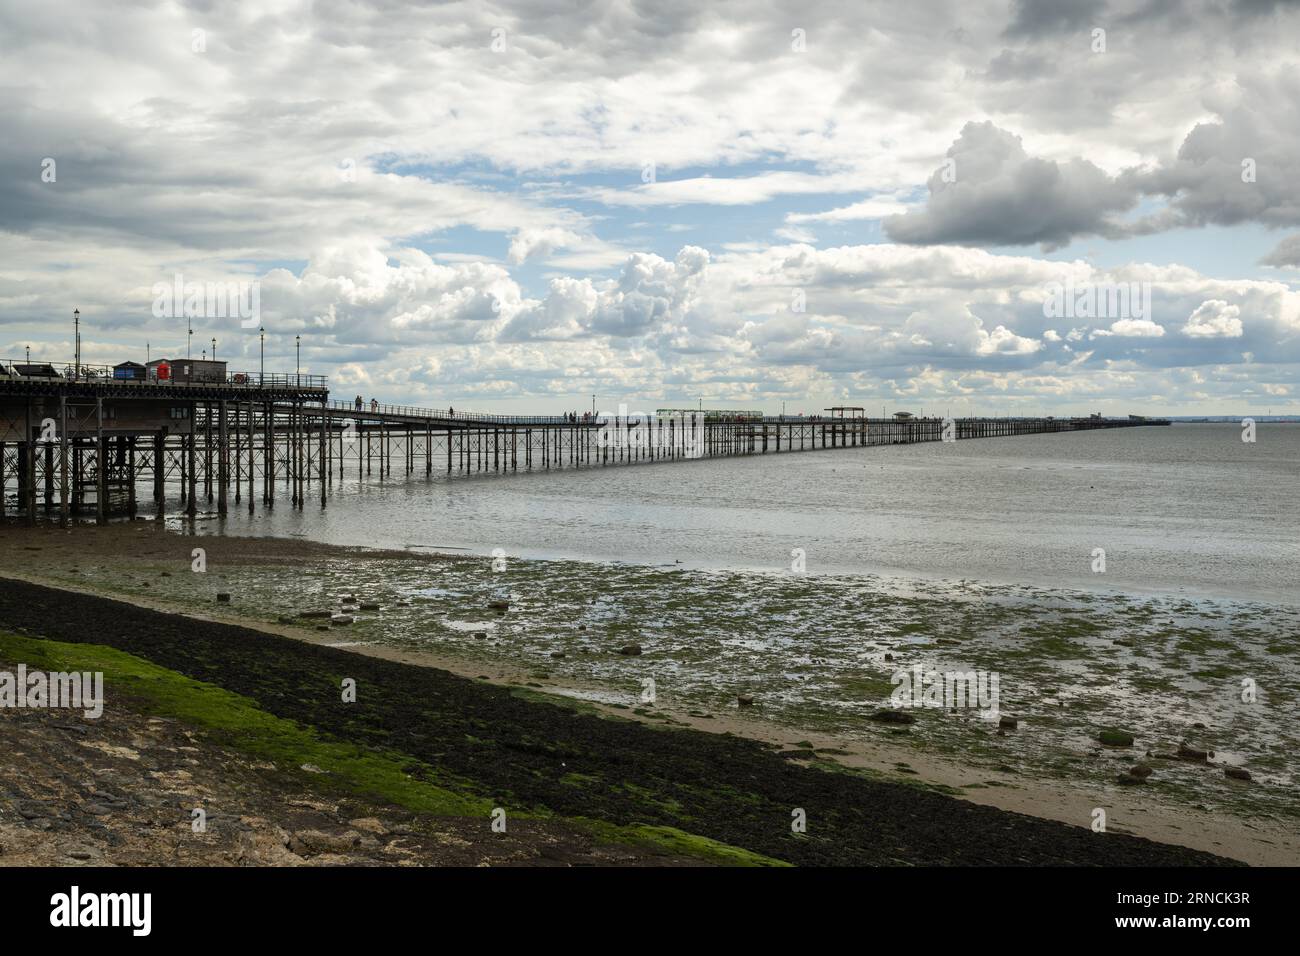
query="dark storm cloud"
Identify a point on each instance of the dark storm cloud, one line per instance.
(1036, 18)
(1000, 195)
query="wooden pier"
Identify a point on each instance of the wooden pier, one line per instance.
(78, 446)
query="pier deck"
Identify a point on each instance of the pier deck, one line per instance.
(76, 446)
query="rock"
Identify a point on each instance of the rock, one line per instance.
(223, 598)
(582, 627)
(889, 657)
(306, 842)
(369, 606)
(322, 627)
(1115, 738)
(1008, 723)
(558, 655)
(1198, 726)
(631, 650)
(342, 619)
(1128, 780)
(1141, 771)
(315, 614)
(166, 574)
(499, 606)
(369, 825)
(479, 634)
(1236, 773)
(744, 700)
(893, 717)
(1192, 755)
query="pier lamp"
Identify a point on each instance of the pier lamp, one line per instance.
(261, 334)
(297, 367)
(29, 355)
(76, 340)
(189, 339)
(214, 348)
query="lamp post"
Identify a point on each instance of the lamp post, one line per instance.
(29, 355)
(76, 341)
(297, 368)
(189, 339)
(261, 334)
(214, 348)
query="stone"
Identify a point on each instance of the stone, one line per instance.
(630, 650)
(223, 598)
(893, 717)
(744, 700)
(1008, 723)
(1192, 755)
(1115, 738)
(1236, 773)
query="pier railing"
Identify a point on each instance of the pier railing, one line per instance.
(103, 375)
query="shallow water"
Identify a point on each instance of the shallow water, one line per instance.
(1187, 509)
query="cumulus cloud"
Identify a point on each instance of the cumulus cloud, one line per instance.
(992, 192)
(1214, 319)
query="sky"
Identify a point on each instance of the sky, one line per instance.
(759, 205)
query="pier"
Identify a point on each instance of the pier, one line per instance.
(84, 443)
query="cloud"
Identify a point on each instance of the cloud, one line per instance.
(1286, 255)
(994, 193)
(1214, 318)
(1043, 17)
(878, 207)
(529, 243)
(1133, 328)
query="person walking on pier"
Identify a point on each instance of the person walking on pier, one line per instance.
(358, 403)
(374, 405)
